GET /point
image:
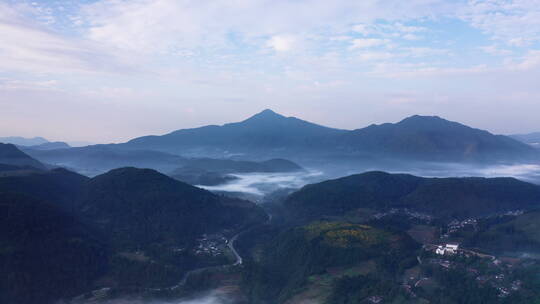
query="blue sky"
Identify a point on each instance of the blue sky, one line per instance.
(110, 70)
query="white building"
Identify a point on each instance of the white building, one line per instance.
(447, 249)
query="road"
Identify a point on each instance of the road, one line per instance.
(230, 244)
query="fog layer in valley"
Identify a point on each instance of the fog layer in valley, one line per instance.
(260, 184)
(211, 298)
(264, 183)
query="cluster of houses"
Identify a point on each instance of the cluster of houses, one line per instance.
(211, 245)
(447, 249)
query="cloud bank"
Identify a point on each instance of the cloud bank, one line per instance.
(189, 60)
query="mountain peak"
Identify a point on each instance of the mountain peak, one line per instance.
(267, 113)
(265, 117)
(427, 122)
(416, 118)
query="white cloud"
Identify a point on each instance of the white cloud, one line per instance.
(530, 61)
(12, 84)
(363, 29)
(495, 50)
(161, 25)
(368, 43)
(400, 27)
(28, 46)
(425, 52)
(411, 37)
(390, 30)
(514, 22)
(282, 43)
(192, 54)
(375, 56)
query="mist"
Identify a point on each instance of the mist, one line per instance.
(214, 297)
(261, 184)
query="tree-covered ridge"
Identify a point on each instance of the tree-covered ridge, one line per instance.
(439, 197)
(139, 207)
(346, 235)
(132, 229)
(45, 254)
(296, 254)
(513, 235)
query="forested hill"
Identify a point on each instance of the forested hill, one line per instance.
(440, 197)
(138, 207)
(64, 234)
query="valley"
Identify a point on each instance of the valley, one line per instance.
(152, 221)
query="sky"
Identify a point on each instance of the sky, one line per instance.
(110, 70)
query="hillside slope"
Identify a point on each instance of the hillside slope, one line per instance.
(45, 254)
(432, 138)
(439, 197)
(11, 155)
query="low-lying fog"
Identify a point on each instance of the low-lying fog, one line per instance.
(264, 183)
(211, 298)
(260, 184)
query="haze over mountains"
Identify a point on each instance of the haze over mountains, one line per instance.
(532, 139)
(268, 135)
(22, 141)
(10, 155)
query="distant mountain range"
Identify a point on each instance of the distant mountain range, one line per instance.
(10, 155)
(93, 160)
(427, 138)
(269, 135)
(265, 130)
(40, 142)
(532, 139)
(51, 146)
(23, 141)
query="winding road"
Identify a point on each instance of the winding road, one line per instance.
(230, 244)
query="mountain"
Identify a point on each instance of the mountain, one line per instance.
(532, 139)
(268, 134)
(64, 234)
(45, 254)
(296, 259)
(93, 160)
(10, 155)
(431, 138)
(139, 207)
(263, 131)
(58, 186)
(445, 198)
(22, 141)
(51, 146)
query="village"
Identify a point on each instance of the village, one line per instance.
(213, 245)
(443, 252)
(487, 270)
